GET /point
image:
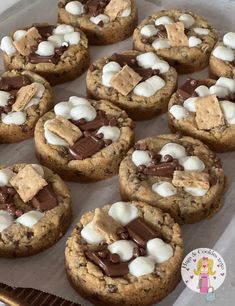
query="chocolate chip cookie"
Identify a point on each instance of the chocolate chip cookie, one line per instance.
(103, 21)
(180, 175)
(182, 38)
(127, 253)
(139, 83)
(35, 209)
(59, 53)
(24, 98)
(84, 140)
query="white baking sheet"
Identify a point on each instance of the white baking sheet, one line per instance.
(46, 270)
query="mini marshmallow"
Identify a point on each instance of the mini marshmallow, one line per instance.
(192, 163)
(162, 66)
(86, 112)
(228, 110)
(226, 82)
(111, 67)
(229, 40)
(163, 20)
(196, 192)
(194, 41)
(141, 265)
(40, 90)
(63, 29)
(224, 53)
(90, 235)
(201, 31)
(5, 176)
(124, 248)
(187, 20)
(19, 34)
(39, 169)
(7, 46)
(178, 112)
(46, 48)
(219, 91)
(110, 132)
(57, 40)
(190, 104)
(158, 250)
(148, 30)
(101, 17)
(164, 189)
(53, 139)
(149, 87)
(147, 60)
(202, 91)
(75, 101)
(32, 102)
(6, 220)
(126, 12)
(4, 96)
(140, 157)
(30, 218)
(161, 43)
(72, 38)
(173, 149)
(123, 212)
(16, 118)
(74, 8)
(63, 109)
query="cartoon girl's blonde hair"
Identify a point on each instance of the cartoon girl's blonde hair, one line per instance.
(210, 267)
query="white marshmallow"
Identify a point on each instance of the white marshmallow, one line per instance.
(110, 132)
(159, 250)
(187, 20)
(164, 189)
(173, 149)
(229, 40)
(163, 20)
(4, 96)
(228, 110)
(72, 38)
(32, 102)
(219, 91)
(90, 235)
(126, 12)
(190, 104)
(99, 18)
(141, 265)
(162, 66)
(147, 60)
(192, 163)
(63, 29)
(223, 53)
(5, 176)
(46, 48)
(123, 212)
(16, 118)
(202, 91)
(124, 248)
(196, 192)
(111, 67)
(194, 41)
(201, 31)
(226, 82)
(40, 90)
(19, 34)
(39, 169)
(86, 112)
(179, 112)
(148, 30)
(63, 109)
(53, 139)
(7, 46)
(30, 218)
(5, 220)
(106, 78)
(140, 157)
(57, 40)
(74, 8)
(149, 87)
(75, 101)
(161, 43)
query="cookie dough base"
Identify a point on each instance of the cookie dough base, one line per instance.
(219, 68)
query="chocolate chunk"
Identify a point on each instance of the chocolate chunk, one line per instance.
(36, 59)
(45, 30)
(94, 124)
(122, 233)
(140, 231)
(6, 194)
(114, 258)
(95, 7)
(125, 59)
(187, 89)
(163, 169)
(45, 199)
(14, 83)
(145, 73)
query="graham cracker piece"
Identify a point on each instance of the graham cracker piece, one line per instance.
(125, 80)
(64, 129)
(105, 225)
(116, 7)
(23, 96)
(191, 179)
(27, 182)
(29, 40)
(176, 35)
(208, 113)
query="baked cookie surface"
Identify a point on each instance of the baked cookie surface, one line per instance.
(124, 254)
(84, 140)
(180, 175)
(24, 98)
(59, 53)
(103, 22)
(139, 83)
(182, 38)
(35, 209)
(205, 109)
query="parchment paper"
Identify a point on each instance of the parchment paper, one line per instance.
(45, 271)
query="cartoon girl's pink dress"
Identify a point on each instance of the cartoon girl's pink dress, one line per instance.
(204, 283)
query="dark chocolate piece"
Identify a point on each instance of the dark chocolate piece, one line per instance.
(45, 30)
(36, 59)
(45, 199)
(146, 73)
(14, 83)
(125, 59)
(94, 124)
(187, 89)
(165, 169)
(95, 7)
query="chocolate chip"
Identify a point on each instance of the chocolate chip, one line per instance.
(114, 258)
(168, 158)
(138, 251)
(112, 288)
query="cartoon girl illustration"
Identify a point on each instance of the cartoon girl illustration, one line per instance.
(204, 270)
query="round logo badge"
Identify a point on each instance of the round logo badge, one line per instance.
(203, 271)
